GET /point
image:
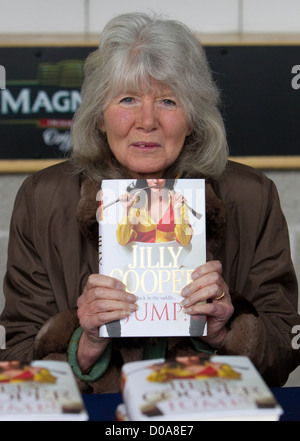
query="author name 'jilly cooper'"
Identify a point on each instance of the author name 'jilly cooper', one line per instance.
(153, 275)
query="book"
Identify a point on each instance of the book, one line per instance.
(43, 390)
(151, 237)
(196, 388)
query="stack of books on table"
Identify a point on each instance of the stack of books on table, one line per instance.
(216, 388)
(43, 390)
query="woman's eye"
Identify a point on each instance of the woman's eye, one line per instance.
(168, 102)
(127, 100)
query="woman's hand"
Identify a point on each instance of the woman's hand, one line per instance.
(127, 199)
(177, 201)
(208, 284)
(103, 300)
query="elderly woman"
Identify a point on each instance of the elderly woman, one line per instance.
(149, 110)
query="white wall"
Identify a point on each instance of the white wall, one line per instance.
(81, 16)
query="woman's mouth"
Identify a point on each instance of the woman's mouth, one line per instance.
(146, 145)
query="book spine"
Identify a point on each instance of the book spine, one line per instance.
(100, 251)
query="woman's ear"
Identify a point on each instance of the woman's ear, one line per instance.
(189, 130)
(101, 125)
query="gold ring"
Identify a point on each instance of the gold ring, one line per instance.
(221, 296)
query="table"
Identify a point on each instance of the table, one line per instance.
(101, 407)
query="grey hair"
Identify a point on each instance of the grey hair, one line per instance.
(135, 51)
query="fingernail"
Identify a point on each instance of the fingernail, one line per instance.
(133, 307)
(195, 275)
(121, 285)
(186, 310)
(185, 291)
(185, 302)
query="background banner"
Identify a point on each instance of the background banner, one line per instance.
(260, 89)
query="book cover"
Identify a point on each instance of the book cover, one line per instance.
(151, 237)
(199, 388)
(43, 390)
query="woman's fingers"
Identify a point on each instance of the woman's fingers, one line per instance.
(208, 294)
(103, 300)
(95, 287)
(90, 322)
(128, 199)
(207, 284)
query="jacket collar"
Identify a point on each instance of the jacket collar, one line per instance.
(89, 204)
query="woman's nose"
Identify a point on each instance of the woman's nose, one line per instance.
(148, 116)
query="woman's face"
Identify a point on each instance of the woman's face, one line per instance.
(145, 132)
(156, 184)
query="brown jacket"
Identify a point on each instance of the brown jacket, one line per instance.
(53, 249)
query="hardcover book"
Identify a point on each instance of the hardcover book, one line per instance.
(196, 388)
(151, 237)
(43, 390)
